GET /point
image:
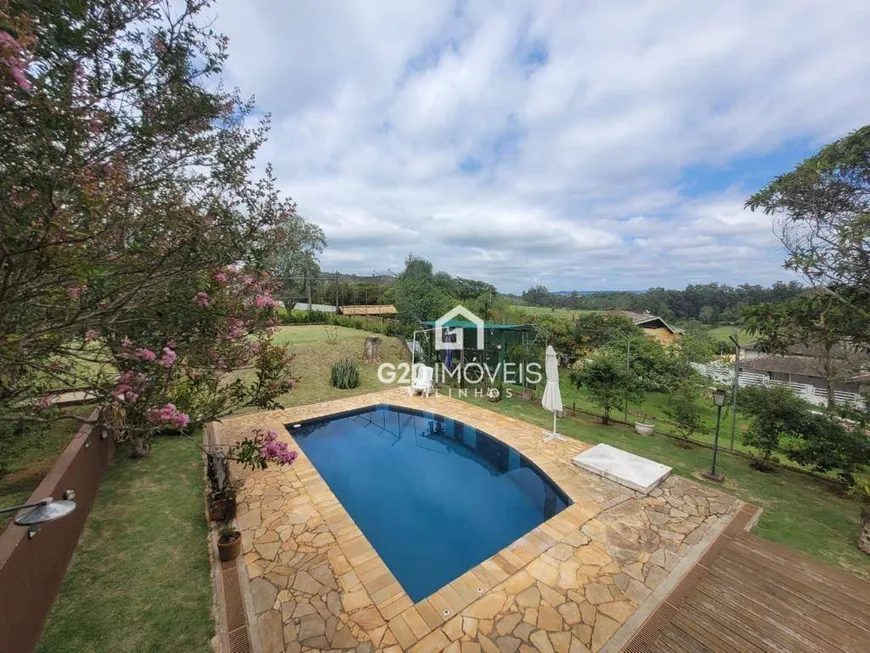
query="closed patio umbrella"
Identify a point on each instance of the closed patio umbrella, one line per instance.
(552, 399)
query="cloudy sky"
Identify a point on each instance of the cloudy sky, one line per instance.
(582, 145)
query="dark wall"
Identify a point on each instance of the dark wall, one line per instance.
(32, 568)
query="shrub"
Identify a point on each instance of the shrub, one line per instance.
(344, 374)
(684, 410)
(776, 413)
(608, 382)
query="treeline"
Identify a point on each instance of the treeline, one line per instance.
(342, 290)
(711, 303)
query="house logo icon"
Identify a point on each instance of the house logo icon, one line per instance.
(453, 339)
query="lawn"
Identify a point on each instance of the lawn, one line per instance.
(314, 357)
(799, 511)
(139, 579)
(26, 461)
(567, 313)
(723, 333)
(652, 409)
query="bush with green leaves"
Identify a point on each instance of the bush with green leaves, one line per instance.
(683, 408)
(776, 413)
(827, 444)
(609, 382)
(344, 374)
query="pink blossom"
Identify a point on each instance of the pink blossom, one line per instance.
(45, 401)
(125, 392)
(237, 329)
(201, 298)
(168, 414)
(16, 62)
(76, 291)
(170, 344)
(145, 354)
(168, 357)
(18, 75)
(221, 277)
(91, 335)
(265, 301)
(276, 451)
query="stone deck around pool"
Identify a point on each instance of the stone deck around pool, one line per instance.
(566, 587)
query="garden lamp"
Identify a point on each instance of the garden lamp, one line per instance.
(719, 397)
(42, 511)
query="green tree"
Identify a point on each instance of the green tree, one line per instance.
(417, 294)
(595, 330)
(296, 265)
(776, 413)
(822, 210)
(609, 383)
(683, 407)
(821, 324)
(826, 444)
(136, 241)
(696, 345)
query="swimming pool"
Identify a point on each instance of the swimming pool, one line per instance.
(435, 497)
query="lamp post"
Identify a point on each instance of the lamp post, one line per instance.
(719, 397)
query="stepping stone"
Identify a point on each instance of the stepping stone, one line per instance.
(622, 467)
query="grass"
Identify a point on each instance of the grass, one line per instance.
(314, 357)
(139, 580)
(799, 511)
(31, 456)
(652, 409)
(723, 332)
(567, 313)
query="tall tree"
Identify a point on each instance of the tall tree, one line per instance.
(135, 240)
(822, 212)
(419, 296)
(776, 413)
(821, 324)
(609, 382)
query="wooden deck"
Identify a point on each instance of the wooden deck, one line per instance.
(751, 595)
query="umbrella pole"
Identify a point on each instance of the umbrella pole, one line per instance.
(554, 435)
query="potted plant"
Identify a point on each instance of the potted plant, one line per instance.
(222, 504)
(229, 542)
(644, 426)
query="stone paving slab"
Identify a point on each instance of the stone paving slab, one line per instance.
(635, 472)
(566, 586)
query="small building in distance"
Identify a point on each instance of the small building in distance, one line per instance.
(848, 366)
(323, 308)
(653, 326)
(378, 311)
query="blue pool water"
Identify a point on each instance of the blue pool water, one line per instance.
(434, 496)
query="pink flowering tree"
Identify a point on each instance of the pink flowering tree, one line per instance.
(137, 242)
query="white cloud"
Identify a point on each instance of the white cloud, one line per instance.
(547, 142)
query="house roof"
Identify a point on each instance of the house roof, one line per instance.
(373, 309)
(802, 365)
(781, 365)
(305, 306)
(647, 321)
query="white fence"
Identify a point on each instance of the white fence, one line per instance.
(818, 396)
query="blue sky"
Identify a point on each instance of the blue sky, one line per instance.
(581, 145)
